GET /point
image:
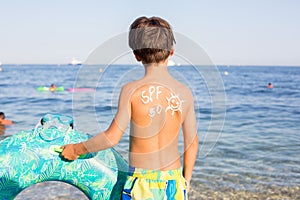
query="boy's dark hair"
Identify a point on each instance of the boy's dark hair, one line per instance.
(151, 39)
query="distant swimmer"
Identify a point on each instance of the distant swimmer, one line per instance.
(4, 121)
(270, 86)
(52, 88)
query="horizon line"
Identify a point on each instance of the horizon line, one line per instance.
(228, 65)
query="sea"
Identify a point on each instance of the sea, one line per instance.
(249, 134)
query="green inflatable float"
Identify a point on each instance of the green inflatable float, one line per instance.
(32, 156)
(49, 89)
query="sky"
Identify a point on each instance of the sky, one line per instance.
(232, 32)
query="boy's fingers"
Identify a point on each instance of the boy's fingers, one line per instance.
(68, 156)
(63, 147)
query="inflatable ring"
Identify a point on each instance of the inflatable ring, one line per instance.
(28, 158)
(43, 89)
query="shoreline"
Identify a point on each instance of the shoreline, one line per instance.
(55, 190)
(261, 193)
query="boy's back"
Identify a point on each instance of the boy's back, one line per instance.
(158, 105)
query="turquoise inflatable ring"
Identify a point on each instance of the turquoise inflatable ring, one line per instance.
(28, 158)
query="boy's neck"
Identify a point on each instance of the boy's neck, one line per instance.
(156, 69)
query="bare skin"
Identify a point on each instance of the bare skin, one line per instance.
(156, 107)
(5, 122)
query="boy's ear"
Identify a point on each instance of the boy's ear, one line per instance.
(137, 57)
(171, 52)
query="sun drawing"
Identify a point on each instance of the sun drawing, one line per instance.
(174, 104)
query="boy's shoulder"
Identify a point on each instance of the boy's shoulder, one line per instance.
(176, 87)
(130, 87)
(183, 89)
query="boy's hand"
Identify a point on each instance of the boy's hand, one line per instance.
(69, 152)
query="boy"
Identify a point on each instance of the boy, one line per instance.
(156, 107)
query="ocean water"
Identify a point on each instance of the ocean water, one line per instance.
(255, 154)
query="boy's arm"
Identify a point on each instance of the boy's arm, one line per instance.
(189, 128)
(108, 138)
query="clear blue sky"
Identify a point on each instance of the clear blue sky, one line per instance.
(245, 32)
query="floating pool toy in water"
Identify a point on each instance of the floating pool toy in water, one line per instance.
(33, 156)
(61, 89)
(81, 89)
(49, 89)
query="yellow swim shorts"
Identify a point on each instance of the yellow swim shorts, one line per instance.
(154, 185)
